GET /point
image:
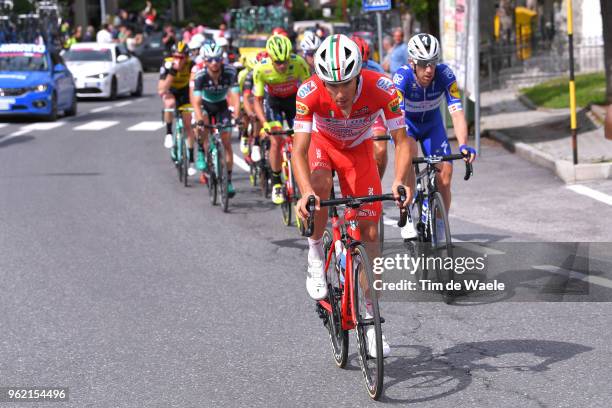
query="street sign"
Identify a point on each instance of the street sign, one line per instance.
(376, 5)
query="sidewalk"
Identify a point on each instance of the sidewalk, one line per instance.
(543, 136)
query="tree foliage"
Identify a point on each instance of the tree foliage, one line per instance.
(427, 12)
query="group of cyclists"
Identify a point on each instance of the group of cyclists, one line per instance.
(336, 100)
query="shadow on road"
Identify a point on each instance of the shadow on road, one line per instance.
(429, 377)
(15, 140)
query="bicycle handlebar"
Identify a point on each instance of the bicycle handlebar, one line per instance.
(379, 138)
(469, 170)
(354, 202)
(287, 132)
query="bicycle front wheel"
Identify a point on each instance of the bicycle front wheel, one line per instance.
(367, 317)
(212, 177)
(441, 244)
(223, 177)
(184, 161)
(338, 338)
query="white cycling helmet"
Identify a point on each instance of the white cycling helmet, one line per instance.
(310, 42)
(211, 50)
(196, 42)
(423, 47)
(222, 42)
(338, 59)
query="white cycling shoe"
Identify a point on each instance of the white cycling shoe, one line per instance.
(255, 153)
(316, 285)
(408, 231)
(168, 141)
(371, 343)
(191, 171)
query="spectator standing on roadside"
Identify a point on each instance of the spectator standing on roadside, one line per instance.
(132, 40)
(77, 36)
(105, 35)
(169, 38)
(387, 45)
(90, 34)
(398, 55)
(149, 14)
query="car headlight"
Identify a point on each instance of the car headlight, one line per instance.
(39, 88)
(98, 76)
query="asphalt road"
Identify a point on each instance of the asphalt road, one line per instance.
(131, 290)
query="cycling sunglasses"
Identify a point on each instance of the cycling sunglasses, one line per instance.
(214, 59)
(280, 63)
(427, 63)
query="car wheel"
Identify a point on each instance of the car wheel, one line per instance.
(138, 91)
(113, 92)
(52, 116)
(72, 111)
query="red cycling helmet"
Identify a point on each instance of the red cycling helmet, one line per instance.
(363, 47)
(280, 31)
(261, 55)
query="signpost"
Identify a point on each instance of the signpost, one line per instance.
(378, 6)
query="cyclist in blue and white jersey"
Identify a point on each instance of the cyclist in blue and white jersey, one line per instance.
(423, 84)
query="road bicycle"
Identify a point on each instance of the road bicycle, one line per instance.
(180, 151)
(352, 302)
(217, 179)
(290, 188)
(432, 225)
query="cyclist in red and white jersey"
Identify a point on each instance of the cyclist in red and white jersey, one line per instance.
(333, 127)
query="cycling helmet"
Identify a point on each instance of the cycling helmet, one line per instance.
(222, 42)
(310, 42)
(423, 47)
(279, 31)
(196, 42)
(338, 59)
(279, 48)
(211, 50)
(364, 47)
(180, 48)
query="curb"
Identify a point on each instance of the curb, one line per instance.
(564, 169)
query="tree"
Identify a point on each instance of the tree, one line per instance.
(427, 12)
(606, 15)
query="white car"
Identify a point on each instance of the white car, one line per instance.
(104, 70)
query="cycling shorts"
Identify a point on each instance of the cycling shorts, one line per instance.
(356, 170)
(181, 95)
(431, 135)
(217, 110)
(278, 108)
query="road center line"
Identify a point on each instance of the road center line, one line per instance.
(100, 109)
(592, 193)
(120, 104)
(97, 125)
(595, 280)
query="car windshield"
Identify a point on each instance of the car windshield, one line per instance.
(19, 61)
(253, 42)
(88, 55)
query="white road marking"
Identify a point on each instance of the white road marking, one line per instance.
(100, 109)
(389, 221)
(241, 163)
(595, 280)
(146, 126)
(589, 192)
(97, 125)
(3, 125)
(34, 126)
(120, 104)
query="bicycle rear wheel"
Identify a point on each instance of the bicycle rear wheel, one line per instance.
(441, 244)
(367, 315)
(223, 177)
(338, 338)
